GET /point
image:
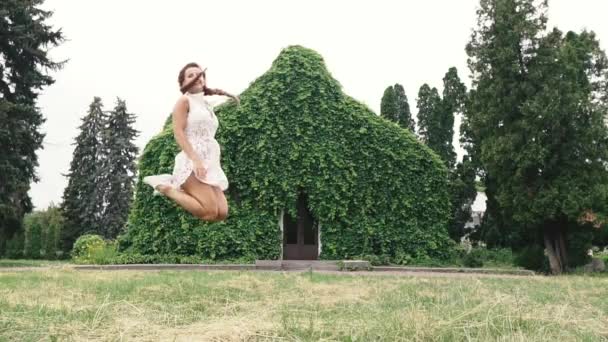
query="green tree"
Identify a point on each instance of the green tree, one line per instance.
(83, 198)
(462, 175)
(462, 196)
(25, 39)
(389, 108)
(55, 224)
(436, 128)
(34, 236)
(452, 104)
(396, 108)
(118, 169)
(500, 50)
(42, 233)
(436, 115)
(429, 118)
(404, 117)
(537, 127)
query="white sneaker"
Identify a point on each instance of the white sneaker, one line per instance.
(155, 181)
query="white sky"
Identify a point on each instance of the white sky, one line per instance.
(134, 50)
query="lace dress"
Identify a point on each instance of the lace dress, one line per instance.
(200, 131)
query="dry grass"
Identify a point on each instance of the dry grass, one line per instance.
(61, 304)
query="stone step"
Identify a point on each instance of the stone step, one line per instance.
(321, 265)
(162, 267)
(409, 269)
(294, 265)
(297, 265)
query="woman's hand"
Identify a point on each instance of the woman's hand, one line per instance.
(199, 169)
(235, 98)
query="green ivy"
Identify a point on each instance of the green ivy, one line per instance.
(372, 186)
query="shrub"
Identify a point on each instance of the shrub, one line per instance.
(93, 249)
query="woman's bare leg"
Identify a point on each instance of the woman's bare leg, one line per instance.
(222, 204)
(201, 200)
(182, 199)
(206, 197)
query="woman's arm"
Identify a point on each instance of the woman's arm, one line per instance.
(213, 91)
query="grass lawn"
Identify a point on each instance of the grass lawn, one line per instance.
(63, 304)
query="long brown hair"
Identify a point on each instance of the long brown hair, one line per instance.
(206, 90)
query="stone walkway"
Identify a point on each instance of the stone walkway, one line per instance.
(376, 271)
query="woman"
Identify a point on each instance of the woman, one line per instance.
(198, 181)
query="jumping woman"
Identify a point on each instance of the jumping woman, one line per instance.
(198, 181)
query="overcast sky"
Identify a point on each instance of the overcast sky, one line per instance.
(134, 50)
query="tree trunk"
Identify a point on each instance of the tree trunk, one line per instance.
(2, 244)
(555, 248)
(562, 247)
(552, 255)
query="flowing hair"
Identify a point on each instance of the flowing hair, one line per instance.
(206, 90)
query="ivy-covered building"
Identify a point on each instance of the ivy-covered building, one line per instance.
(313, 174)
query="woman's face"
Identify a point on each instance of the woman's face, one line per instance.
(191, 74)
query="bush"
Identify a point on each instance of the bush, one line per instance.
(533, 258)
(93, 249)
(376, 260)
(475, 258)
(15, 246)
(84, 242)
(603, 254)
(579, 242)
(129, 258)
(455, 257)
(499, 257)
(600, 236)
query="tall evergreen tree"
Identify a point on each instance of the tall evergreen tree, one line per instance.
(389, 108)
(454, 96)
(462, 195)
(499, 52)
(429, 118)
(436, 128)
(454, 92)
(83, 198)
(462, 176)
(436, 115)
(395, 107)
(25, 39)
(118, 168)
(404, 115)
(537, 127)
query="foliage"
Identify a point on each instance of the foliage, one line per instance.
(118, 169)
(436, 121)
(86, 242)
(535, 127)
(473, 259)
(25, 39)
(42, 232)
(394, 106)
(83, 198)
(102, 172)
(93, 249)
(371, 185)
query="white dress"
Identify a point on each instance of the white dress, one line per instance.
(200, 131)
